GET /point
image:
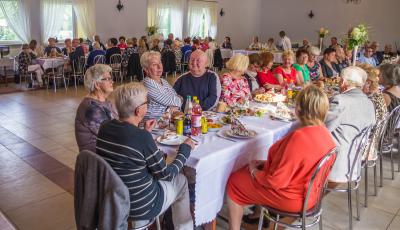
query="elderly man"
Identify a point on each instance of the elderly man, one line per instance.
(94, 108)
(132, 152)
(77, 51)
(334, 43)
(350, 112)
(51, 46)
(199, 82)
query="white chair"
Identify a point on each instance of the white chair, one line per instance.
(116, 65)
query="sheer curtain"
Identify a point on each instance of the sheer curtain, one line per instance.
(17, 17)
(84, 11)
(51, 17)
(196, 23)
(167, 15)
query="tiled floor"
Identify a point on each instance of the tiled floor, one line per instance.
(37, 157)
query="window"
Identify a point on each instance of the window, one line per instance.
(67, 24)
(6, 33)
(165, 22)
(166, 15)
(202, 19)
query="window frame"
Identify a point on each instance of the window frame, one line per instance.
(11, 42)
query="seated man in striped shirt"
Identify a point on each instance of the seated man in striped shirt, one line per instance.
(134, 156)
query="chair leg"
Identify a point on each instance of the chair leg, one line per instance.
(350, 206)
(366, 184)
(375, 179)
(380, 170)
(55, 84)
(275, 224)
(392, 164)
(261, 219)
(320, 222)
(158, 223)
(358, 203)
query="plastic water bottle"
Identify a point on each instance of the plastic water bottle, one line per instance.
(196, 118)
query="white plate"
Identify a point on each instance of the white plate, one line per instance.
(210, 114)
(174, 141)
(279, 118)
(229, 133)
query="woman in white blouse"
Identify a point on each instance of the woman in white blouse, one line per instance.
(161, 95)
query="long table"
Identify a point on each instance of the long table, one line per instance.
(214, 159)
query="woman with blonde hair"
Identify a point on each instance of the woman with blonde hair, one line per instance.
(142, 46)
(235, 89)
(279, 181)
(286, 73)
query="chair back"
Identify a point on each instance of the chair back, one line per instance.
(78, 65)
(99, 59)
(360, 143)
(392, 123)
(115, 61)
(168, 60)
(186, 56)
(377, 131)
(317, 183)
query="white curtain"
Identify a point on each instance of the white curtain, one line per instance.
(52, 17)
(85, 14)
(17, 17)
(167, 15)
(196, 11)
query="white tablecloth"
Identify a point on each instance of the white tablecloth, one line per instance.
(48, 63)
(216, 158)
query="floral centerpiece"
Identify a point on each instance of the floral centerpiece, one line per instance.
(151, 30)
(322, 33)
(357, 36)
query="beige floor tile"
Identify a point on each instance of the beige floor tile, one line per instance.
(24, 191)
(53, 213)
(64, 155)
(395, 225)
(44, 144)
(13, 168)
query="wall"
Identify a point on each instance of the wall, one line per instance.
(292, 16)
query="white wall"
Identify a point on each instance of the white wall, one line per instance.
(382, 16)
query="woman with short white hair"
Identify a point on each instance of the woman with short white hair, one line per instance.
(95, 107)
(132, 152)
(161, 94)
(313, 65)
(341, 121)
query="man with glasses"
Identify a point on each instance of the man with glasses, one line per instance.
(368, 57)
(95, 107)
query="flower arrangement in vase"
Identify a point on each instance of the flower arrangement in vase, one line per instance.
(357, 36)
(322, 33)
(151, 30)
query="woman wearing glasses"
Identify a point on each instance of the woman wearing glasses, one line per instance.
(94, 108)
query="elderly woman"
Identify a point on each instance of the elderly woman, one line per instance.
(371, 88)
(129, 50)
(161, 95)
(313, 65)
(279, 181)
(270, 45)
(301, 65)
(131, 151)
(142, 47)
(94, 108)
(97, 51)
(341, 59)
(235, 89)
(341, 123)
(265, 75)
(390, 79)
(199, 82)
(328, 64)
(251, 74)
(26, 63)
(286, 74)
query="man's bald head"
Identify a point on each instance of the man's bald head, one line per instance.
(197, 63)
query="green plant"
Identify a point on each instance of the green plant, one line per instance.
(151, 30)
(357, 36)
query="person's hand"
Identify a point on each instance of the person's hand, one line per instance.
(189, 142)
(173, 109)
(149, 125)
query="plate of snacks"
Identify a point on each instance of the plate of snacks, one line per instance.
(269, 97)
(238, 130)
(170, 138)
(214, 127)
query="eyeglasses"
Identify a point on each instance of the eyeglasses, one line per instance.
(107, 79)
(144, 103)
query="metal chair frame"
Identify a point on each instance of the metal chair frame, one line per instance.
(360, 148)
(316, 211)
(56, 73)
(116, 66)
(99, 59)
(186, 58)
(376, 133)
(78, 71)
(26, 75)
(386, 141)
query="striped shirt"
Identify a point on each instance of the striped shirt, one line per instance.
(134, 156)
(160, 97)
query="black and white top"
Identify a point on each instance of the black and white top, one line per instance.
(160, 97)
(134, 156)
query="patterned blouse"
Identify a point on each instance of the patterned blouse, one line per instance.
(127, 54)
(24, 60)
(234, 91)
(314, 71)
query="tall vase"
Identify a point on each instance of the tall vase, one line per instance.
(321, 40)
(355, 50)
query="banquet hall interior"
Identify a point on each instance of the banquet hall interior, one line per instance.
(199, 114)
